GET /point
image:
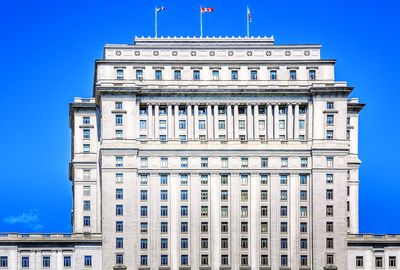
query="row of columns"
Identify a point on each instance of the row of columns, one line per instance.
(232, 131)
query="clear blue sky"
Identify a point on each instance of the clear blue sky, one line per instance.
(48, 51)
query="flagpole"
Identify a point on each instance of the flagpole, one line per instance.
(248, 23)
(155, 21)
(201, 23)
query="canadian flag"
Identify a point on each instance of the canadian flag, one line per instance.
(204, 9)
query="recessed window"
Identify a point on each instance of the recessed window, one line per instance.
(139, 74)
(25, 262)
(253, 75)
(284, 162)
(234, 75)
(329, 134)
(119, 178)
(118, 119)
(330, 106)
(86, 120)
(46, 261)
(359, 261)
(292, 75)
(204, 162)
(177, 75)
(87, 261)
(158, 74)
(329, 119)
(273, 75)
(215, 75)
(196, 75)
(120, 74)
(3, 261)
(312, 75)
(86, 134)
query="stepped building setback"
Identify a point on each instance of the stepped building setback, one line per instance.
(211, 153)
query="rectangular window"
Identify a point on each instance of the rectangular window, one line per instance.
(283, 179)
(46, 261)
(164, 195)
(284, 162)
(264, 227)
(284, 243)
(329, 119)
(329, 210)
(330, 259)
(242, 124)
(244, 162)
(86, 191)
(25, 262)
(118, 134)
(378, 262)
(284, 195)
(264, 195)
(224, 180)
(264, 260)
(158, 74)
(204, 195)
(329, 194)
(120, 74)
(119, 210)
(264, 179)
(143, 195)
(234, 75)
(143, 227)
(221, 124)
(86, 134)
(164, 162)
(303, 162)
(119, 226)
(143, 260)
(264, 162)
(244, 179)
(215, 75)
(118, 119)
(86, 221)
(163, 124)
(119, 242)
(303, 195)
(202, 124)
(204, 211)
(143, 211)
(143, 124)
(164, 243)
(184, 179)
(329, 226)
(144, 162)
(143, 180)
(303, 227)
(330, 106)
(292, 75)
(282, 124)
(301, 124)
(143, 243)
(284, 227)
(273, 75)
(119, 161)
(264, 211)
(184, 243)
(87, 261)
(3, 261)
(224, 162)
(177, 75)
(312, 75)
(284, 260)
(303, 260)
(392, 261)
(359, 261)
(196, 75)
(329, 243)
(303, 243)
(224, 195)
(86, 205)
(204, 162)
(329, 178)
(329, 162)
(182, 124)
(261, 124)
(184, 195)
(139, 74)
(164, 227)
(163, 138)
(86, 120)
(86, 148)
(184, 211)
(303, 211)
(253, 75)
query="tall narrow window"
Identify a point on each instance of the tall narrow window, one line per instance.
(158, 74)
(196, 75)
(253, 75)
(139, 74)
(177, 75)
(273, 75)
(292, 75)
(120, 74)
(234, 75)
(312, 74)
(215, 75)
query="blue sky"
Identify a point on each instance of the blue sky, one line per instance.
(48, 51)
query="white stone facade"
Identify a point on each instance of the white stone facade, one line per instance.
(216, 153)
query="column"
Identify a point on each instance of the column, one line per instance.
(290, 122)
(249, 123)
(274, 230)
(196, 121)
(175, 220)
(270, 122)
(215, 240)
(294, 220)
(256, 125)
(296, 121)
(229, 122)
(170, 123)
(254, 222)
(216, 121)
(309, 122)
(176, 121)
(236, 121)
(209, 122)
(195, 222)
(154, 219)
(150, 120)
(276, 121)
(234, 220)
(190, 130)
(156, 121)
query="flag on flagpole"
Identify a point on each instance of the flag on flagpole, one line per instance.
(158, 9)
(249, 17)
(209, 9)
